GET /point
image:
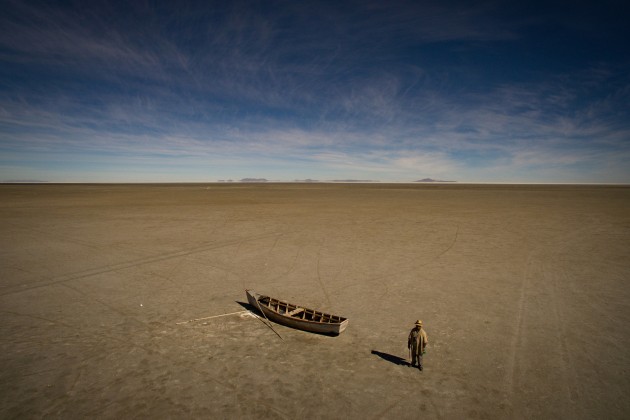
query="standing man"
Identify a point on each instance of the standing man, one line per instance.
(416, 343)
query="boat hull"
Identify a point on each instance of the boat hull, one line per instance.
(265, 304)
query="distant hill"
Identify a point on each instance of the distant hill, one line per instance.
(432, 180)
(253, 180)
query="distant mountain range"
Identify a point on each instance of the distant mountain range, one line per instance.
(245, 180)
(297, 180)
(254, 180)
(258, 180)
(353, 180)
(432, 180)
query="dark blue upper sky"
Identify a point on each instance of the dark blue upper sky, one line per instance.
(393, 91)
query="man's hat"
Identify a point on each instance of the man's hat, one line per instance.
(418, 322)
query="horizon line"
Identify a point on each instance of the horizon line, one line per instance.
(305, 182)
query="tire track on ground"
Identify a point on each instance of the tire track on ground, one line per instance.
(74, 240)
(128, 264)
(538, 255)
(319, 277)
(155, 352)
(413, 267)
(570, 376)
(451, 245)
(518, 326)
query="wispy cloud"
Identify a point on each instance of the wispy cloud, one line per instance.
(355, 89)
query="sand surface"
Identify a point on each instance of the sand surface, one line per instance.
(524, 292)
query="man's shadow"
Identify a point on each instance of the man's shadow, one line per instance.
(391, 358)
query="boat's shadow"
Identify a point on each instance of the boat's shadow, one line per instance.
(391, 358)
(249, 307)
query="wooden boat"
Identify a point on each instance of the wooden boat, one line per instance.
(296, 316)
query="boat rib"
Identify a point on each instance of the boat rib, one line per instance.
(297, 316)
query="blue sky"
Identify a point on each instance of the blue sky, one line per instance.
(165, 91)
